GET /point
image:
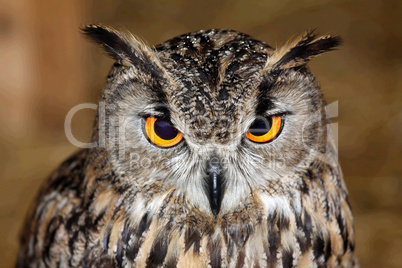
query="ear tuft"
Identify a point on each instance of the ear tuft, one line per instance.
(301, 50)
(121, 45)
(115, 43)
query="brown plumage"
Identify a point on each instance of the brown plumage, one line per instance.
(199, 192)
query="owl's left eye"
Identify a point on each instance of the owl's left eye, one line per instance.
(265, 129)
(161, 133)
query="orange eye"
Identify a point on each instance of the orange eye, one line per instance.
(265, 130)
(161, 132)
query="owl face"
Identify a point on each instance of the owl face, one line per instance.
(212, 115)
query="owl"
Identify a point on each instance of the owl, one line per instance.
(211, 149)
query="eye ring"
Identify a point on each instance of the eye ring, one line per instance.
(161, 133)
(264, 131)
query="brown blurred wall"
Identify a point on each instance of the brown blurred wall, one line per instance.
(47, 68)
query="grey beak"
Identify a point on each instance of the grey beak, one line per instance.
(214, 184)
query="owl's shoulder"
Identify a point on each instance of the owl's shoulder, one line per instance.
(60, 197)
(69, 175)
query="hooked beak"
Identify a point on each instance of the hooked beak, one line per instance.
(214, 184)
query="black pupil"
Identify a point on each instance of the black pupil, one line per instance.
(260, 127)
(165, 130)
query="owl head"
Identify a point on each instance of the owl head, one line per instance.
(210, 116)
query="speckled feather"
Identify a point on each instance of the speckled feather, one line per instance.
(284, 204)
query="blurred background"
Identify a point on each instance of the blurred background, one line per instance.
(47, 67)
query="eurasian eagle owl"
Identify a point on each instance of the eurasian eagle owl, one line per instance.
(210, 150)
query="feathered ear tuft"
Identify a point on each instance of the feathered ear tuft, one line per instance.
(116, 44)
(299, 51)
(124, 47)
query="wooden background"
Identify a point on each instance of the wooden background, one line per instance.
(47, 68)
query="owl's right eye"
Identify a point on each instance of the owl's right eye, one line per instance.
(161, 133)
